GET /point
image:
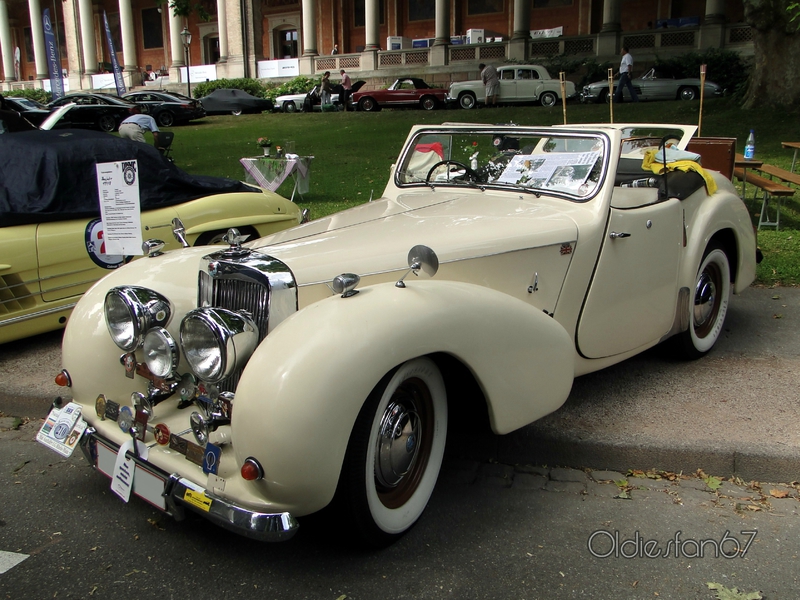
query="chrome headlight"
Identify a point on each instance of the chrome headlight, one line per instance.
(216, 342)
(160, 352)
(131, 311)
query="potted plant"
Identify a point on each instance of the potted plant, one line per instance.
(264, 144)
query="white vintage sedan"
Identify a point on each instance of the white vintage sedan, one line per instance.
(518, 84)
(319, 367)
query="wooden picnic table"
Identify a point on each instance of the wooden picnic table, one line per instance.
(795, 146)
(740, 162)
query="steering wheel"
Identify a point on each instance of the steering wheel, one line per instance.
(470, 174)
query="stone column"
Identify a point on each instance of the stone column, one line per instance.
(37, 32)
(611, 16)
(522, 20)
(88, 40)
(128, 37)
(715, 12)
(6, 43)
(372, 16)
(442, 23)
(222, 24)
(310, 28)
(74, 56)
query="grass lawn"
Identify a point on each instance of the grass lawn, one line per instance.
(353, 151)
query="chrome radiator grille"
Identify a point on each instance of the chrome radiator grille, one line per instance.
(262, 286)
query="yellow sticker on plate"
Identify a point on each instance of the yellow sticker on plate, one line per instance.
(197, 499)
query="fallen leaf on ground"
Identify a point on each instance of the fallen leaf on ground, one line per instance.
(778, 493)
(724, 593)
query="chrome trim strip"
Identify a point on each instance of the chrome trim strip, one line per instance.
(46, 291)
(264, 527)
(36, 315)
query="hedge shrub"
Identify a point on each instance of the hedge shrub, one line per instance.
(251, 86)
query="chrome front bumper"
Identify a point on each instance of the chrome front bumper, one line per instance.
(265, 527)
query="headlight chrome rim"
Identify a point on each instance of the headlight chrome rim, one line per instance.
(216, 342)
(130, 311)
(161, 353)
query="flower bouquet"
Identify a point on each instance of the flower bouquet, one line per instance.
(265, 144)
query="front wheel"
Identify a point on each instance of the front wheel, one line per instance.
(395, 453)
(709, 305)
(367, 104)
(467, 101)
(548, 99)
(427, 103)
(289, 107)
(688, 93)
(236, 112)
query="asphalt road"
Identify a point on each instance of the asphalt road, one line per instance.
(496, 527)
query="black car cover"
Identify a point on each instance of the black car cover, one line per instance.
(51, 176)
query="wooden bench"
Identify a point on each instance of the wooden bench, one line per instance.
(782, 174)
(769, 190)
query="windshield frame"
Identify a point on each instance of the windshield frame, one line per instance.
(510, 131)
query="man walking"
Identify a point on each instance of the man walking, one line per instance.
(625, 73)
(492, 83)
(347, 86)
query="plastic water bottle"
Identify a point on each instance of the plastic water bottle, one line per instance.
(750, 146)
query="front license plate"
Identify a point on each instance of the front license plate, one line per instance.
(149, 486)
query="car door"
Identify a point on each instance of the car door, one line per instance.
(633, 293)
(527, 83)
(404, 93)
(508, 85)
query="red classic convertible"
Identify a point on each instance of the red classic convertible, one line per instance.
(404, 92)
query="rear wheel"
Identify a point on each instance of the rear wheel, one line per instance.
(688, 93)
(166, 119)
(236, 112)
(427, 103)
(368, 104)
(467, 100)
(709, 304)
(106, 123)
(548, 99)
(395, 453)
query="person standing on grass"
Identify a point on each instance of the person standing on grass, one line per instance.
(347, 86)
(625, 73)
(492, 83)
(325, 88)
(133, 128)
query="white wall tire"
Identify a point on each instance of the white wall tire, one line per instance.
(709, 303)
(395, 453)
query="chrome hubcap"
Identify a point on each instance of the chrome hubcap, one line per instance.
(397, 445)
(704, 298)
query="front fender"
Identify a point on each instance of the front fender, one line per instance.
(299, 396)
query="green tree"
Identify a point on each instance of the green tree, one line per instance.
(775, 78)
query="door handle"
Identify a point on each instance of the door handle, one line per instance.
(614, 235)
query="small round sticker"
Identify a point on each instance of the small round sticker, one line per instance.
(161, 433)
(96, 247)
(125, 420)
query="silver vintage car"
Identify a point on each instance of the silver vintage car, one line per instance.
(657, 84)
(320, 366)
(518, 84)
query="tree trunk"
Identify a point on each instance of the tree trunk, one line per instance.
(775, 79)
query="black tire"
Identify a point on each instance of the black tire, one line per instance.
(708, 304)
(165, 119)
(368, 104)
(394, 453)
(688, 93)
(427, 103)
(106, 123)
(605, 97)
(467, 101)
(237, 112)
(210, 238)
(548, 99)
(289, 107)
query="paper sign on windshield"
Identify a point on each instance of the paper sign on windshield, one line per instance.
(118, 185)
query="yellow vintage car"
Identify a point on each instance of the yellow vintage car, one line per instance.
(322, 365)
(51, 234)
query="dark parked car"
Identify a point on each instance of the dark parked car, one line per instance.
(167, 109)
(406, 91)
(34, 112)
(234, 102)
(94, 111)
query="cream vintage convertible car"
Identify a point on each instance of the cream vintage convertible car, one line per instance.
(320, 366)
